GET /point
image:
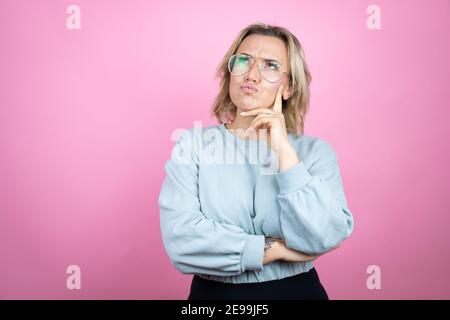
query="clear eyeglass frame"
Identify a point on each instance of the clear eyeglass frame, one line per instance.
(278, 74)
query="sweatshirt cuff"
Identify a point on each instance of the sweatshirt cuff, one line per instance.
(253, 255)
(293, 178)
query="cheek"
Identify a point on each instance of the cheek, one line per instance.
(267, 99)
(270, 93)
(232, 90)
(233, 86)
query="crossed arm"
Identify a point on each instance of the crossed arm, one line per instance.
(279, 251)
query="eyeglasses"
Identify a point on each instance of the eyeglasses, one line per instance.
(270, 69)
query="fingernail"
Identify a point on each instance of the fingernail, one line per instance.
(242, 113)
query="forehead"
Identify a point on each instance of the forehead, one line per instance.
(265, 47)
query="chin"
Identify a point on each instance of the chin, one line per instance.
(246, 108)
(249, 106)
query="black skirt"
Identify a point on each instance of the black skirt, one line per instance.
(304, 286)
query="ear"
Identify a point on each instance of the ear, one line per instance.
(288, 93)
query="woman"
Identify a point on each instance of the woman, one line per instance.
(251, 229)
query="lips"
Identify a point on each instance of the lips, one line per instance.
(248, 88)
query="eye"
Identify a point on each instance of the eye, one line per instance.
(242, 59)
(272, 65)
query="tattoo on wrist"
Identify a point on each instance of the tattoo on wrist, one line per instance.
(268, 244)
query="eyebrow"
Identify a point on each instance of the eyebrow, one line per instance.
(267, 59)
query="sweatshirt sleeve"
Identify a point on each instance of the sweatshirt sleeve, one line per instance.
(195, 243)
(314, 214)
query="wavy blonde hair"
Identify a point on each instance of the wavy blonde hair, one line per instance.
(296, 106)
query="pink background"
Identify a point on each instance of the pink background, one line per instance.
(86, 117)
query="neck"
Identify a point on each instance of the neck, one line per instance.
(239, 121)
(240, 124)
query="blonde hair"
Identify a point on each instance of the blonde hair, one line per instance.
(296, 106)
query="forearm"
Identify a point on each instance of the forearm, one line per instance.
(287, 158)
(314, 214)
(279, 251)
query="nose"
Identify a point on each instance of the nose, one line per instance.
(253, 74)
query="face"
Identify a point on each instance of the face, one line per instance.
(266, 47)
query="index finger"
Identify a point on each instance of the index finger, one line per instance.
(278, 103)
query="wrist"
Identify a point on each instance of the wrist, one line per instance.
(268, 244)
(271, 250)
(287, 158)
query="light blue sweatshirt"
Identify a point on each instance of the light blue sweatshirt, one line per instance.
(222, 195)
